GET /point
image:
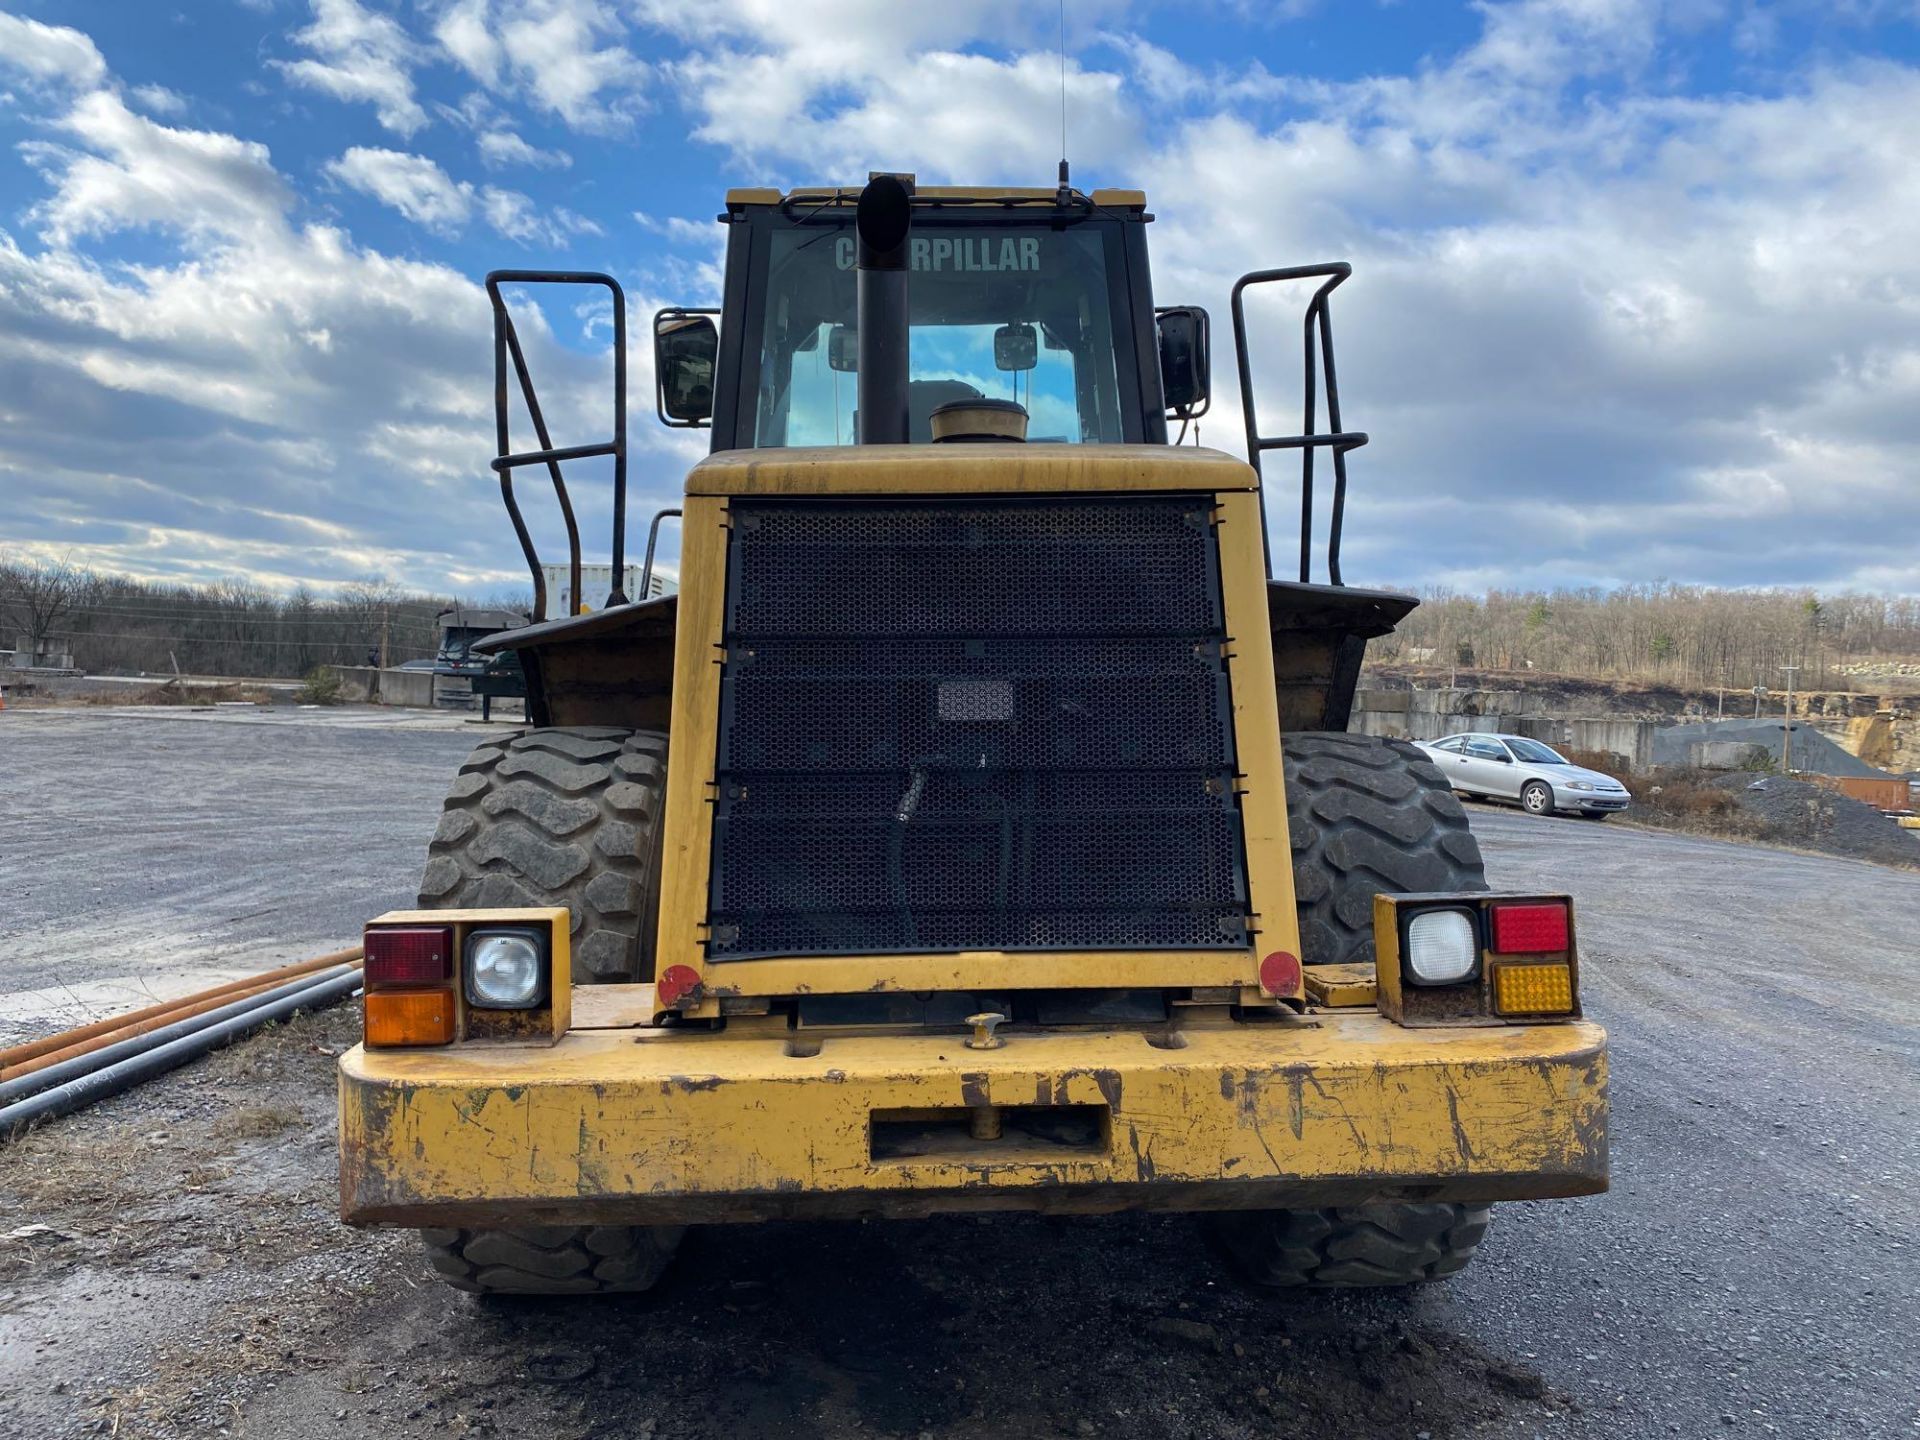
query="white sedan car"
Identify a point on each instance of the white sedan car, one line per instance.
(1513, 767)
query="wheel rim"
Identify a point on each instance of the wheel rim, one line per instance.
(1536, 798)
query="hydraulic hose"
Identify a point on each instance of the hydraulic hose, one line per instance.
(79, 1065)
(77, 1093)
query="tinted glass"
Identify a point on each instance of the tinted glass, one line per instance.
(1486, 750)
(966, 283)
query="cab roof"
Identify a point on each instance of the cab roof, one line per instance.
(937, 195)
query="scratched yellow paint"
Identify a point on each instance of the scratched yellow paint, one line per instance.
(692, 1125)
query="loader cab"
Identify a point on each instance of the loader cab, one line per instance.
(1040, 297)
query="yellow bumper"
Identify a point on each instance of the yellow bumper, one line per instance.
(672, 1127)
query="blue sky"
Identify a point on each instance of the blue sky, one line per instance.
(1636, 291)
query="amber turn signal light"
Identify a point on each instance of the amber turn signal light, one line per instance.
(1533, 989)
(409, 1017)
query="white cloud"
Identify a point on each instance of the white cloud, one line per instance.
(504, 147)
(566, 57)
(361, 57)
(53, 53)
(520, 219)
(134, 172)
(160, 100)
(411, 184)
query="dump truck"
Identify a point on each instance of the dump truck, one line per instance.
(977, 828)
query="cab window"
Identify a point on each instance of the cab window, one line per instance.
(980, 296)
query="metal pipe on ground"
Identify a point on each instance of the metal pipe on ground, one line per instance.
(33, 1049)
(84, 1090)
(66, 1070)
(127, 1032)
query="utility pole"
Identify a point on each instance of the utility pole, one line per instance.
(385, 616)
(1786, 730)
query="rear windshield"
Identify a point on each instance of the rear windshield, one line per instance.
(968, 283)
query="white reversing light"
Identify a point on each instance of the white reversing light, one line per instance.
(1442, 948)
(506, 969)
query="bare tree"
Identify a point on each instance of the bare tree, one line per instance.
(36, 594)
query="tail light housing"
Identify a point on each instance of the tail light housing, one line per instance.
(467, 976)
(1476, 959)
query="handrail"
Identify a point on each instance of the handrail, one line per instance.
(653, 536)
(506, 346)
(1309, 440)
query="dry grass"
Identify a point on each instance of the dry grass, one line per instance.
(173, 692)
(1689, 800)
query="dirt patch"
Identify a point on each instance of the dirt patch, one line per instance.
(179, 1271)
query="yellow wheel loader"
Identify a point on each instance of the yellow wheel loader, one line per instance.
(976, 828)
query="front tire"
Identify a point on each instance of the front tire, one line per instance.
(1365, 815)
(1536, 797)
(558, 817)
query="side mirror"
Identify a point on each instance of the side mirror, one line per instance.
(1016, 347)
(1186, 364)
(686, 352)
(843, 349)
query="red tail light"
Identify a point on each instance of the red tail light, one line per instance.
(408, 955)
(1530, 929)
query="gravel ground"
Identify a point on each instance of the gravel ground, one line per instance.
(1753, 1271)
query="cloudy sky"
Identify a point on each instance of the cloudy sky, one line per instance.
(1637, 289)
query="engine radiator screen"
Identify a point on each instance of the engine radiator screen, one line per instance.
(996, 724)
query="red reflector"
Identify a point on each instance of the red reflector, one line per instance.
(675, 984)
(1529, 929)
(1280, 974)
(409, 955)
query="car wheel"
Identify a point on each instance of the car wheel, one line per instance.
(1537, 797)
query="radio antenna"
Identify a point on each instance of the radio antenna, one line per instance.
(1066, 190)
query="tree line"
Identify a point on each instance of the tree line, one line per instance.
(1680, 634)
(116, 624)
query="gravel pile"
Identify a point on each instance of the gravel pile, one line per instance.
(1812, 750)
(1811, 818)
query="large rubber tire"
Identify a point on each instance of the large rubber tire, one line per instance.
(1374, 1245)
(553, 1260)
(1364, 815)
(1367, 815)
(560, 817)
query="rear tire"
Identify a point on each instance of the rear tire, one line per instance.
(1365, 816)
(558, 817)
(553, 1260)
(1374, 1245)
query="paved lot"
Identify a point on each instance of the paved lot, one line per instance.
(1754, 1271)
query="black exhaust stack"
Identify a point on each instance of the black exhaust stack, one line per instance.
(883, 222)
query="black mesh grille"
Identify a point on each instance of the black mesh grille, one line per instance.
(975, 725)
